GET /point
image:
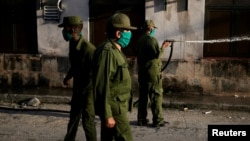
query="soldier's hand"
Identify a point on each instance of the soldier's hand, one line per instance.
(110, 122)
(66, 81)
(165, 44)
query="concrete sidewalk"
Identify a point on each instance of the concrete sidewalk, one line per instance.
(179, 101)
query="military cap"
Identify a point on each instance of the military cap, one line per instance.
(120, 20)
(149, 23)
(70, 20)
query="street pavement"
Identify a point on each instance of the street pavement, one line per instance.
(48, 122)
(188, 116)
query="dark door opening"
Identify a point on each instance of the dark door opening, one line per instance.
(227, 19)
(101, 11)
(18, 29)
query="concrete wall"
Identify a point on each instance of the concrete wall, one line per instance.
(175, 22)
(187, 73)
(208, 77)
(50, 40)
(32, 71)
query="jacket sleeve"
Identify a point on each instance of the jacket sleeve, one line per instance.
(102, 85)
(156, 51)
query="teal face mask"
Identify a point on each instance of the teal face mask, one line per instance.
(66, 35)
(125, 39)
(152, 33)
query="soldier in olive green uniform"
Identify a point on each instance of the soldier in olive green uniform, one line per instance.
(149, 76)
(81, 56)
(112, 81)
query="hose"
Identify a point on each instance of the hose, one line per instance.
(169, 58)
(33, 109)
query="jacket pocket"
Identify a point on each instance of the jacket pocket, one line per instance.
(123, 97)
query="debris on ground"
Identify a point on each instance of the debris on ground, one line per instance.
(208, 112)
(185, 109)
(34, 102)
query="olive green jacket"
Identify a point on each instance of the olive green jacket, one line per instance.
(81, 56)
(111, 80)
(148, 56)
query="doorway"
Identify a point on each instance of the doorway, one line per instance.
(227, 19)
(18, 29)
(100, 11)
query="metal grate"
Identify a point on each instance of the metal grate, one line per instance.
(51, 13)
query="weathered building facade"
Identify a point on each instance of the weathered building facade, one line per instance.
(33, 53)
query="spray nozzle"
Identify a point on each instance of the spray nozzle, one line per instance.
(170, 40)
